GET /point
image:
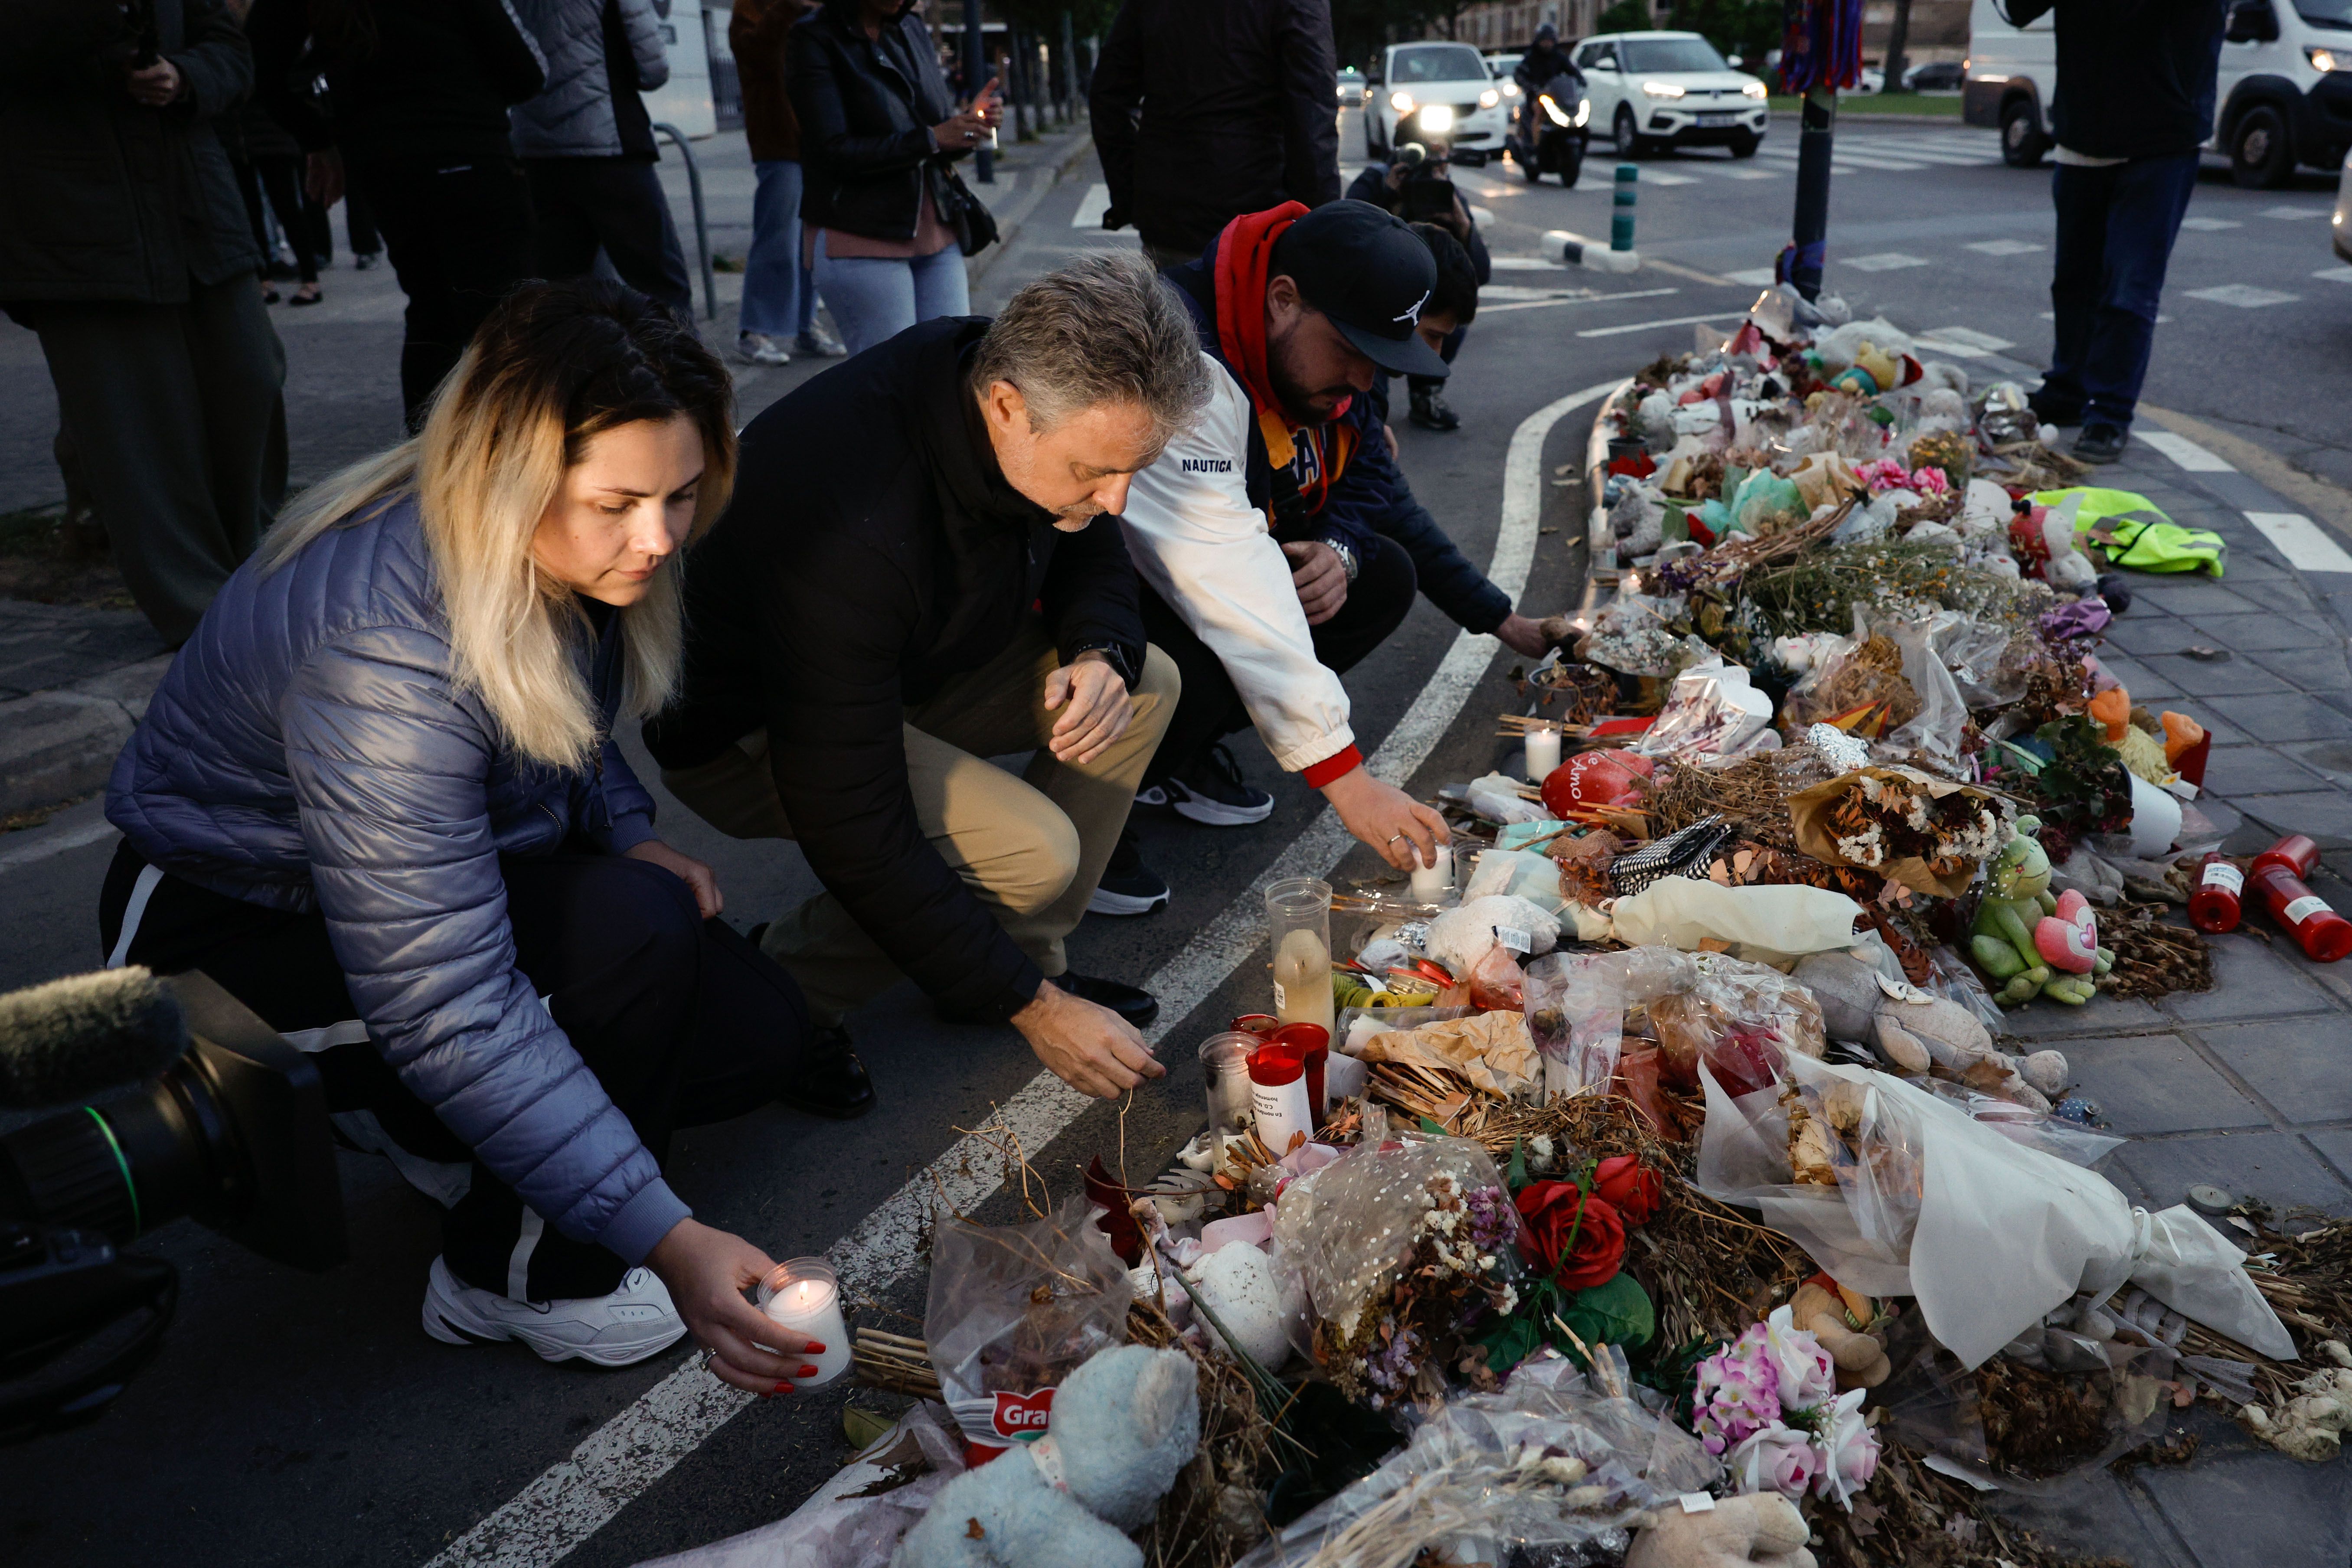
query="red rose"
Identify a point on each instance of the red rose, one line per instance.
(1629, 1188)
(1572, 1237)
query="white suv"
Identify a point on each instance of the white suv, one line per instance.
(1670, 89)
(1439, 95)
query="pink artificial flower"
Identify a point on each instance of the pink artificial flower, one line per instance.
(1884, 474)
(1805, 1376)
(1930, 482)
(1736, 1395)
(1776, 1459)
(1847, 1450)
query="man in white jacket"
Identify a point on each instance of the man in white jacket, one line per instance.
(1259, 580)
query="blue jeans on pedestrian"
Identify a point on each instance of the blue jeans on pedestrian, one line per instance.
(875, 298)
(2115, 229)
(779, 300)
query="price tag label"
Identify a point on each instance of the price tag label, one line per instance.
(1514, 939)
(1697, 1502)
(1281, 997)
(2222, 875)
(2304, 907)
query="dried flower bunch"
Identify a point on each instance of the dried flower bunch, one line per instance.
(1891, 815)
(1460, 1255)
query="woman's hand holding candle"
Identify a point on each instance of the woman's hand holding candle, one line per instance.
(708, 1272)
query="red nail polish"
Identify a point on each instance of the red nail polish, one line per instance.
(781, 1388)
(806, 1371)
(816, 1349)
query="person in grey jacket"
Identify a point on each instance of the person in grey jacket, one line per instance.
(377, 799)
(587, 145)
(126, 248)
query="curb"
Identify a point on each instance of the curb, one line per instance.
(1009, 226)
(62, 742)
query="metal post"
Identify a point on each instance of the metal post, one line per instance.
(701, 222)
(1621, 219)
(1809, 243)
(1069, 72)
(975, 75)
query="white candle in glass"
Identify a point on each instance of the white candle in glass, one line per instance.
(1433, 883)
(804, 1295)
(1543, 754)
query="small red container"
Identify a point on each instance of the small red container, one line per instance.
(2297, 853)
(1262, 1024)
(2216, 905)
(1281, 1100)
(1312, 1045)
(2323, 934)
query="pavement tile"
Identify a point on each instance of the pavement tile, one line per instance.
(2250, 981)
(2093, 1514)
(2288, 716)
(2334, 1146)
(2198, 596)
(2101, 1016)
(2224, 677)
(2140, 679)
(2326, 818)
(2252, 633)
(2156, 1083)
(2296, 1064)
(2233, 771)
(2318, 670)
(2275, 1167)
(2257, 1510)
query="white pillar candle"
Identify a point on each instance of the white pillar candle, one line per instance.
(804, 1296)
(1431, 884)
(1543, 754)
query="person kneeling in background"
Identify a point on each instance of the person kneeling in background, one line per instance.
(376, 799)
(916, 576)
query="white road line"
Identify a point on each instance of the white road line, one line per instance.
(2184, 453)
(2306, 546)
(1646, 326)
(1091, 207)
(1731, 172)
(1565, 298)
(1527, 264)
(1754, 277)
(1969, 337)
(2003, 247)
(2245, 296)
(1659, 177)
(1885, 261)
(54, 838)
(572, 1499)
(2292, 215)
(2210, 225)
(2335, 274)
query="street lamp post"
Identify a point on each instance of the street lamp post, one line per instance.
(975, 75)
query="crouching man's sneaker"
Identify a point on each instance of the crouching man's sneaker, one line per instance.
(619, 1330)
(1128, 887)
(1212, 791)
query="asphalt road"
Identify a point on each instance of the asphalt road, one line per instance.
(296, 1420)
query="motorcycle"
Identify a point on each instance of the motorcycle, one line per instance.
(1550, 133)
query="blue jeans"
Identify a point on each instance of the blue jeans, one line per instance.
(2115, 229)
(875, 298)
(779, 300)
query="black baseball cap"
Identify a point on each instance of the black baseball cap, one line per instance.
(1372, 275)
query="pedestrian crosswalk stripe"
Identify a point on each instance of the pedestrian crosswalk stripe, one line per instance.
(2210, 225)
(2184, 453)
(2004, 246)
(2335, 274)
(1754, 277)
(2292, 214)
(1885, 261)
(1091, 207)
(1739, 173)
(2245, 296)
(2306, 546)
(1968, 337)
(1658, 177)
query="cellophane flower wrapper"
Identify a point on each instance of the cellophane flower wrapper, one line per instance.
(1487, 1477)
(1987, 1233)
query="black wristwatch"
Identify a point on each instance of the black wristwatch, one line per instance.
(1119, 662)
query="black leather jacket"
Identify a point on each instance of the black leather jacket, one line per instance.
(867, 107)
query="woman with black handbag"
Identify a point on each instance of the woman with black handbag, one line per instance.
(887, 220)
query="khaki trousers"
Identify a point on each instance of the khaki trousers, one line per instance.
(1029, 848)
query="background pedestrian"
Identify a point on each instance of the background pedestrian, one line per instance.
(878, 136)
(587, 146)
(127, 249)
(1204, 110)
(778, 312)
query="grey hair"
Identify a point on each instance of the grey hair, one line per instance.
(1102, 330)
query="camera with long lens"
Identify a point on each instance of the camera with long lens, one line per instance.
(226, 1125)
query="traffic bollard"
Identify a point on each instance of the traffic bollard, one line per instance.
(1621, 221)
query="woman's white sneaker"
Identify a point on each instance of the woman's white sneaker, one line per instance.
(634, 1322)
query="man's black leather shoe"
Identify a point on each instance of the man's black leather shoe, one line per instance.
(834, 1083)
(1132, 1002)
(2100, 444)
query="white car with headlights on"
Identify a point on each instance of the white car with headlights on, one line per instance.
(1440, 95)
(1670, 89)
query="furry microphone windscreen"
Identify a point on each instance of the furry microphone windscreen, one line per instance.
(73, 1038)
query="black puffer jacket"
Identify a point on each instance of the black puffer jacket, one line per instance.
(409, 79)
(1204, 110)
(873, 549)
(867, 107)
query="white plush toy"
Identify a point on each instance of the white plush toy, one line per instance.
(1123, 1425)
(1762, 1528)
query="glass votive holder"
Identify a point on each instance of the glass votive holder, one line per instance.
(804, 1294)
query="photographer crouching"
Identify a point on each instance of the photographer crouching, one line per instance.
(1418, 188)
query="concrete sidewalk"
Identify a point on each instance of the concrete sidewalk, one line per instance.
(74, 679)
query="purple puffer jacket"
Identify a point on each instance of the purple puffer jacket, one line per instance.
(307, 750)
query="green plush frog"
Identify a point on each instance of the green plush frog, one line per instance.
(2002, 937)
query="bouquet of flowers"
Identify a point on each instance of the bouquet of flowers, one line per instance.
(1926, 833)
(1768, 1405)
(1574, 1241)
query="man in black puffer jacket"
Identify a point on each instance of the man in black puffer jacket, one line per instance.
(914, 576)
(1205, 110)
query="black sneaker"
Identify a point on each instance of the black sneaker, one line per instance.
(1128, 887)
(1212, 791)
(2100, 444)
(1132, 1002)
(1430, 412)
(2050, 411)
(834, 1083)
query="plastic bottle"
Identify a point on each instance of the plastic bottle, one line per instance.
(2216, 905)
(1278, 1098)
(2323, 934)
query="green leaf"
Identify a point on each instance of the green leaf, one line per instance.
(1616, 1314)
(1511, 1342)
(1433, 1129)
(1517, 1177)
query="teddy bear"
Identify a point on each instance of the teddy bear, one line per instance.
(1916, 1030)
(2018, 926)
(1840, 1319)
(1760, 1529)
(1123, 1425)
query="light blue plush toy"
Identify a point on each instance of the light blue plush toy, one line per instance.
(1123, 1425)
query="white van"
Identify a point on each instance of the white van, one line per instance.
(2283, 96)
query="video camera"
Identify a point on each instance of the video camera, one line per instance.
(1427, 195)
(227, 1125)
